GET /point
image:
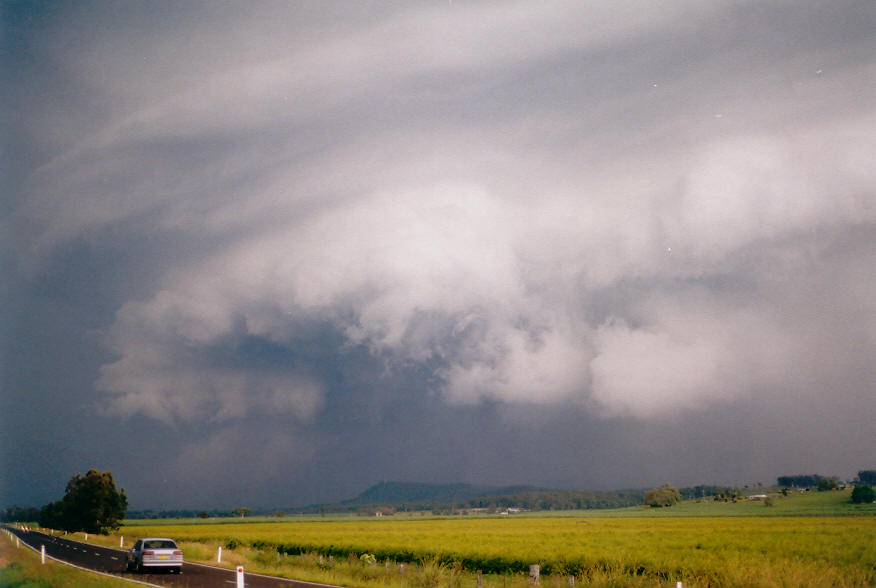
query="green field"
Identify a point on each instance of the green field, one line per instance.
(817, 539)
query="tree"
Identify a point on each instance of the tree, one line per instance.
(825, 483)
(52, 516)
(728, 494)
(863, 494)
(91, 504)
(867, 476)
(666, 495)
(799, 480)
(20, 515)
(240, 512)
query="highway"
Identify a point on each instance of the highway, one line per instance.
(112, 561)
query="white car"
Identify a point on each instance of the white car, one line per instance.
(155, 552)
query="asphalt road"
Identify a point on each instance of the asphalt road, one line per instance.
(112, 561)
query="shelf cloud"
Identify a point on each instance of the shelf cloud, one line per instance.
(604, 209)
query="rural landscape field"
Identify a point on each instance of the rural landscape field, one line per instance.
(811, 539)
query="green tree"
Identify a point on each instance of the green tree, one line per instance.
(867, 476)
(18, 514)
(240, 512)
(825, 483)
(52, 515)
(863, 494)
(93, 503)
(666, 495)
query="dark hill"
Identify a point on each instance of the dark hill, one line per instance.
(411, 492)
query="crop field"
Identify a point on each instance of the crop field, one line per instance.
(701, 544)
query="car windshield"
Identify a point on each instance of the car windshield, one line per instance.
(159, 544)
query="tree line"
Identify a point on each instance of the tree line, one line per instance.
(800, 480)
(824, 482)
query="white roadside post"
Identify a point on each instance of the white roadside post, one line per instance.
(219, 555)
(43, 553)
(239, 576)
(122, 541)
(86, 536)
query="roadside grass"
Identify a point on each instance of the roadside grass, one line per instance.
(21, 568)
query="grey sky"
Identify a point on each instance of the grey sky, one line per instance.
(271, 253)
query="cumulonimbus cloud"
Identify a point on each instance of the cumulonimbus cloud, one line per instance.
(445, 274)
(502, 250)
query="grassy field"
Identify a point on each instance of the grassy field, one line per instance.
(816, 539)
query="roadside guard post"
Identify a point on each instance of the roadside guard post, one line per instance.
(239, 576)
(43, 553)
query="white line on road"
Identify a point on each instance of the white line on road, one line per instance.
(72, 565)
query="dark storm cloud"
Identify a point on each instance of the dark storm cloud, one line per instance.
(485, 242)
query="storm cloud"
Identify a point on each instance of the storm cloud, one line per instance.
(273, 222)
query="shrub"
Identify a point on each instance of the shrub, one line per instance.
(666, 495)
(825, 483)
(863, 494)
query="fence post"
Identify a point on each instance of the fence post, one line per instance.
(571, 581)
(401, 570)
(480, 579)
(534, 573)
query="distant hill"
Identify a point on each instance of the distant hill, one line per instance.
(415, 493)
(456, 498)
